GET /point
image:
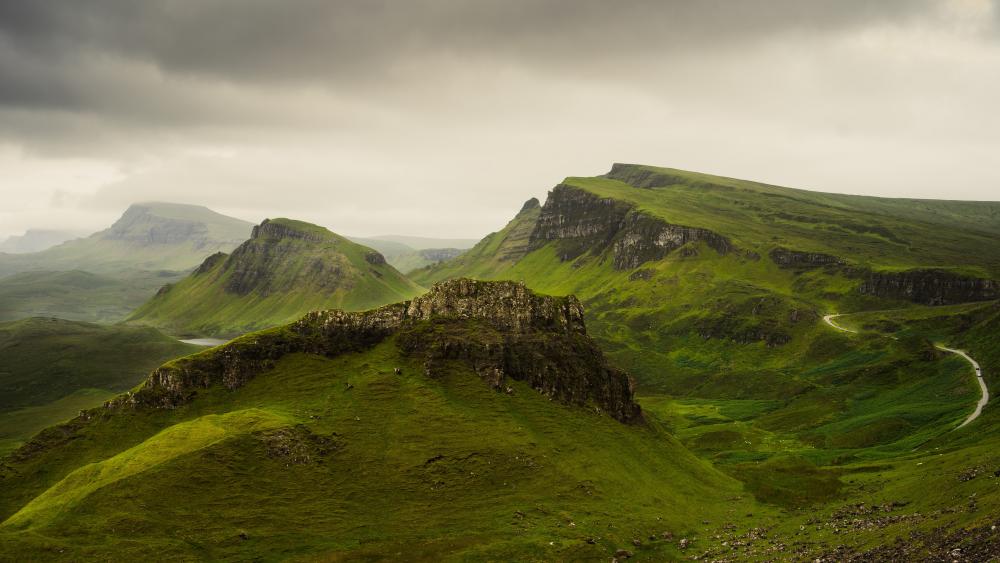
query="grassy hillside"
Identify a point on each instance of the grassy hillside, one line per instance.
(78, 295)
(711, 292)
(148, 236)
(286, 269)
(50, 369)
(372, 453)
(343, 457)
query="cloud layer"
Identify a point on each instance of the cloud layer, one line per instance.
(440, 117)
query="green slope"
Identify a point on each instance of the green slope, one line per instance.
(724, 336)
(50, 369)
(339, 455)
(286, 269)
(148, 236)
(78, 295)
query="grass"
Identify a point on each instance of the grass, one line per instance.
(436, 467)
(50, 369)
(79, 295)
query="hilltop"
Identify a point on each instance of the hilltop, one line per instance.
(284, 270)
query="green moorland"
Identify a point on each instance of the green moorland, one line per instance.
(285, 270)
(342, 458)
(50, 369)
(730, 351)
(79, 295)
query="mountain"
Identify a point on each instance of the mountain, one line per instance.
(50, 369)
(34, 240)
(284, 270)
(427, 243)
(103, 277)
(415, 252)
(148, 236)
(476, 421)
(734, 273)
(712, 291)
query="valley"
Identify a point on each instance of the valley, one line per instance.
(643, 366)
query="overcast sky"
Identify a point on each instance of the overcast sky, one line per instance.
(440, 117)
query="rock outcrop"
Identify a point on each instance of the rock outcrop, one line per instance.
(501, 329)
(795, 259)
(930, 287)
(582, 222)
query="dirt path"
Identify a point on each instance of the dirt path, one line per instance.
(828, 319)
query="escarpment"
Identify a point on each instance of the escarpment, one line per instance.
(500, 329)
(795, 259)
(581, 222)
(930, 287)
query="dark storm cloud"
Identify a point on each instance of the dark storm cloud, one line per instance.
(344, 41)
(434, 116)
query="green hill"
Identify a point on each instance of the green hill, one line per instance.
(284, 270)
(50, 369)
(685, 273)
(711, 292)
(477, 420)
(78, 295)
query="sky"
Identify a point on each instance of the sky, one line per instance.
(441, 117)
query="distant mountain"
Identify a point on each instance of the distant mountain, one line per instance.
(286, 269)
(148, 236)
(103, 277)
(50, 369)
(35, 240)
(406, 257)
(425, 243)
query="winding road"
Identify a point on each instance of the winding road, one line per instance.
(828, 319)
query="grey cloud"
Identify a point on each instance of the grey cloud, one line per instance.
(347, 40)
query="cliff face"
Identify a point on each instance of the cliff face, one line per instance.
(582, 222)
(501, 329)
(794, 259)
(930, 287)
(258, 264)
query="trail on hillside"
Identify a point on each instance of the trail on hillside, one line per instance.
(983, 400)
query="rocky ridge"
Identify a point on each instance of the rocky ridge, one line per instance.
(581, 222)
(930, 287)
(501, 329)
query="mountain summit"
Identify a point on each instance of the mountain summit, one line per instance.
(148, 236)
(284, 270)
